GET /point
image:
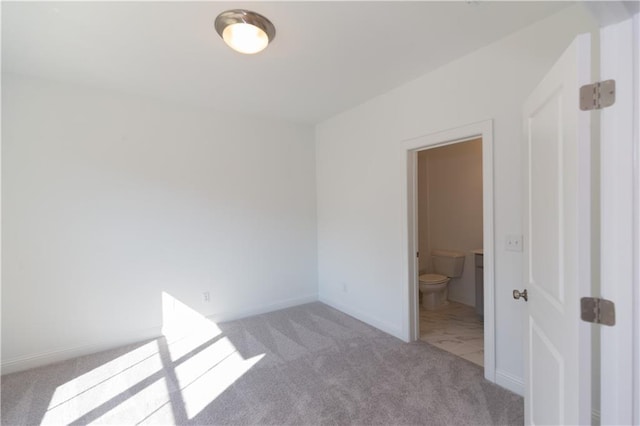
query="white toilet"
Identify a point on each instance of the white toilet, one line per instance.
(446, 265)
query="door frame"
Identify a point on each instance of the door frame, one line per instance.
(620, 225)
(410, 148)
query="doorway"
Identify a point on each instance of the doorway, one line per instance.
(450, 222)
(484, 131)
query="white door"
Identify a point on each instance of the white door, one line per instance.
(557, 243)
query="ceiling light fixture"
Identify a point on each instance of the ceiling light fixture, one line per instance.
(245, 31)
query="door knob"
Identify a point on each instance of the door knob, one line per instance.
(518, 294)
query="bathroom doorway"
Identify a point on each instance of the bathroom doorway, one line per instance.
(412, 147)
(450, 242)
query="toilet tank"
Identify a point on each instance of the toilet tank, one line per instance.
(447, 262)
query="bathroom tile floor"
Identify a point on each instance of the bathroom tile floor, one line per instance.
(455, 328)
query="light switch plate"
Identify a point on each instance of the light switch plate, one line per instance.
(513, 243)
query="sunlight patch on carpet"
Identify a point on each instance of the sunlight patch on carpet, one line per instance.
(89, 391)
(214, 381)
(179, 374)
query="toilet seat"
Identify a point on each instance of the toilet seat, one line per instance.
(433, 290)
(433, 279)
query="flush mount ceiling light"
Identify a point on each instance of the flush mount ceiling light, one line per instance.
(245, 31)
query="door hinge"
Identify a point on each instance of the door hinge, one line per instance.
(598, 311)
(417, 254)
(597, 95)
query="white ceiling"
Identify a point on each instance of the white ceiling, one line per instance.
(326, 57)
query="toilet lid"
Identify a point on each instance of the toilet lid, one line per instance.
(432, 278)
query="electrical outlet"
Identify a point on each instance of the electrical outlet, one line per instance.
(513, 243)
(206, 296)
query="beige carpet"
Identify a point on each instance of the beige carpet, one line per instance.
(309, 364)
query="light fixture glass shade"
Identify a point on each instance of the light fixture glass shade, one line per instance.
(245, 38)
(245, 31)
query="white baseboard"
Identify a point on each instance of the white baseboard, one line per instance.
(283, 304)
(510, 382)
(374, 322)
(27, 362)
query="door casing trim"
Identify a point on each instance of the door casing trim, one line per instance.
(410, 148)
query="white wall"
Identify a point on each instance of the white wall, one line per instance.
(109, 200)
(359, 161)
(450, 209)
(424, 261)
